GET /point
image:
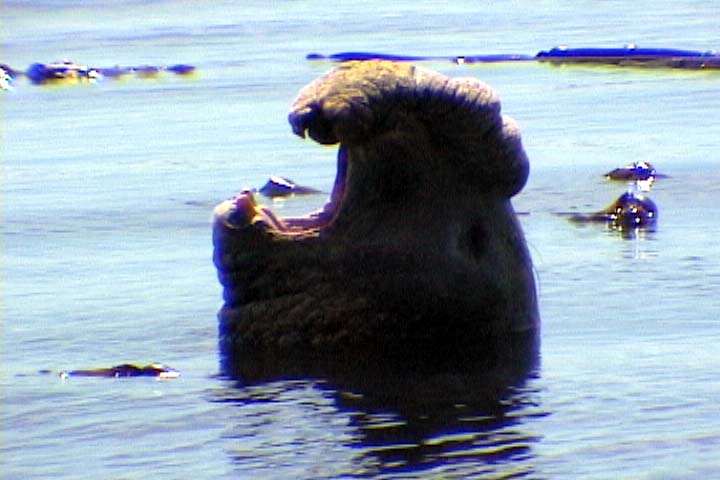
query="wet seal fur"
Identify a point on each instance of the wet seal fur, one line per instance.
(418, 256)
(628, 212)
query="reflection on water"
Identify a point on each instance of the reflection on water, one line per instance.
(462, 419)
(464, 427)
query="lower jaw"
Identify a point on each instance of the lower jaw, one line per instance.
(243, 211)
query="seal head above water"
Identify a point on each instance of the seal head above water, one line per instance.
(417, 254)
(628, 212)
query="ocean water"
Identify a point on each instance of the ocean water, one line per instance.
(108, 188)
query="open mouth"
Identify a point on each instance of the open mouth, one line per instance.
(243, 210)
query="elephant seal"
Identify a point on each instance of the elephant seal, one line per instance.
(629, 212)
(417, 255)
(635, 172)
(61, 72)
(284, 187)
(157, 370)
(68, 72)
(7, 76)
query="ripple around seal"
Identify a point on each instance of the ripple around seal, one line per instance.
(368, 439)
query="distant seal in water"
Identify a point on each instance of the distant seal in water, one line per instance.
(418, 255)
(125, 370)
(7, 76)
(283, 187)
(638, 171)
(61, 72)
(68, 72)
(629, 211)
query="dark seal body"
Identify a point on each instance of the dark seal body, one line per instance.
(418, 256)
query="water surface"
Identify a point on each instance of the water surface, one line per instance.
(107, 191)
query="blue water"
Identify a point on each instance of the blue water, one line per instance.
(108, 188)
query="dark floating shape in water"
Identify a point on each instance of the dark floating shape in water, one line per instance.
(350, 56)
(629, 213)
(7, 75)
(628, 56)
(634, 171)
(181, 69)
(147, 71)
(40, 73)
(68, 72)
(632, 56)
(157, 370)
(283, 187)
(638, 171)
(114, 72)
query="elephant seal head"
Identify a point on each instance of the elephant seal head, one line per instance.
(418, 252)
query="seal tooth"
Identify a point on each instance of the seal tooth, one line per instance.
(311, 120)
(299, 120)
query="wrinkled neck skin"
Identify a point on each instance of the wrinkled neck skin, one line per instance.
(467, 241)
(398, 249)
